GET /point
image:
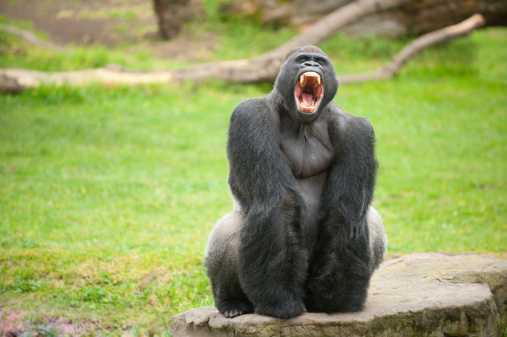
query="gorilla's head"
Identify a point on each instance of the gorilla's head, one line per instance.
(307, 82)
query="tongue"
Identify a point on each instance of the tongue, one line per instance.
(307, 99)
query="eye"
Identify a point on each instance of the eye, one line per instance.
(302, 58)
(321, 60)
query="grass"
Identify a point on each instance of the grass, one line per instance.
(107, 195)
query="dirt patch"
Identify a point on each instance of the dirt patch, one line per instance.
(107, 23)
(15, 323)
(185, 47)
(86, 22)
(11, 322)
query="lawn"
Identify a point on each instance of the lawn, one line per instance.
(107, 195)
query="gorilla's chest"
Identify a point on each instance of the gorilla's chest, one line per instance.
(307, 148)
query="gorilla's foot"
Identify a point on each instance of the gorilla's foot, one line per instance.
(232, 308)
(335, 303)
(286, 310)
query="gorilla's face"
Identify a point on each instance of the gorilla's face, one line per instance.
(307, 82)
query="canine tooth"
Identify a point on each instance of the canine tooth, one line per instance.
(313, 102)
(302, 80)
(316, 83)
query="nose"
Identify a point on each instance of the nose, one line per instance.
(310, 64)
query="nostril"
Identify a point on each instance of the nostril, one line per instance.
(311, 64)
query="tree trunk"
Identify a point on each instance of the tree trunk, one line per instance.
(415, 17)
(171, 15)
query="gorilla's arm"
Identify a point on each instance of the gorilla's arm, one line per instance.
(341, 270)
(351, 182)
(272, 260)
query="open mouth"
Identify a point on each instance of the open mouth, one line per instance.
(308, 92)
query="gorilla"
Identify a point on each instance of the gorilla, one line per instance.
(302, 235)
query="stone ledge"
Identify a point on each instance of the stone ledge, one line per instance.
(425, 294)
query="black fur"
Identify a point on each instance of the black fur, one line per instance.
(272, 265)
(277, 269)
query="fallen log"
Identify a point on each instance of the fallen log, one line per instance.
(413, 18)
(259, 69)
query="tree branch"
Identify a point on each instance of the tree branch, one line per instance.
(409, 51)
(259, 69)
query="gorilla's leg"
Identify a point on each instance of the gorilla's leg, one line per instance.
(341, 270)
(378, 239)
(222, 266)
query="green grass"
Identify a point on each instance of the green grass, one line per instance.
(107, 195)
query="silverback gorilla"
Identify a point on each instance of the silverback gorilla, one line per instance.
(302, 235)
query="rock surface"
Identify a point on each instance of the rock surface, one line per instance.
(424, 294)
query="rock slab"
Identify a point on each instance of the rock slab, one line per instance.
(425, 294)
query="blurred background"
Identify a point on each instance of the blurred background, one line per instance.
(108, 192)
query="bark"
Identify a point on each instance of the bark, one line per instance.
(262, 68)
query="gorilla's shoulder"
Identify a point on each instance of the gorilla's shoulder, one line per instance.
(250, 103)
(348, 124)
(253, 110)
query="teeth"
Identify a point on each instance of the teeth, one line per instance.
(302, 80)
(307, 109)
